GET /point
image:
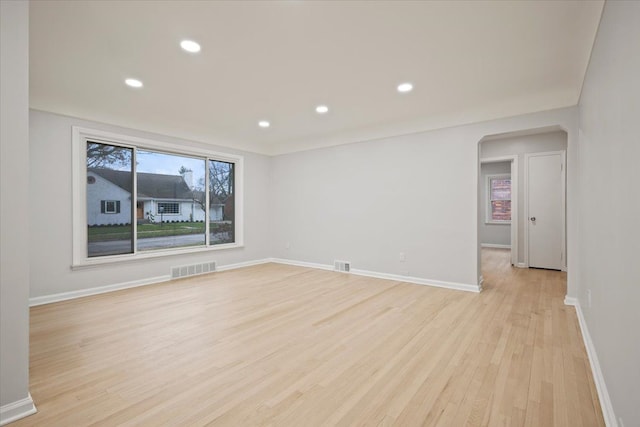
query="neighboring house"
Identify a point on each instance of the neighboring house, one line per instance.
(107, 203)
(216, 209)
(166, 197)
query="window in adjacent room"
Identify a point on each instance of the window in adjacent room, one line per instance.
(498, 199)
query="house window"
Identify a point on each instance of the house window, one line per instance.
(498, 199)
(168, 208)
(110, 206)
(185, 199)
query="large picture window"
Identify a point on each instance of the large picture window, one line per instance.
(143, 198)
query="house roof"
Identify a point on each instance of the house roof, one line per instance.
(150, 185)
(156, 186)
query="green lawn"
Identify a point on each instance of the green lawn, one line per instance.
(123, 232)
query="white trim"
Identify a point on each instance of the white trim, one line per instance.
(522, 265)
(242, 264)
(598, 377)
(494, 245)
(79, 179)
(64, 296)
(131, 141)
(140, 256)
(563, 160)
(378, 275)
(16, 410)
(515, 188)
(302, 264)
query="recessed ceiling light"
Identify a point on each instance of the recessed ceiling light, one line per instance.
(190, 46)
(405, 87)
(264, 124)
(321, 109)
(133, 83)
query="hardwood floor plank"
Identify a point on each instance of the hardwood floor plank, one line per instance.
(276, 345)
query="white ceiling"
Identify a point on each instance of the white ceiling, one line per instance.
(469, 61)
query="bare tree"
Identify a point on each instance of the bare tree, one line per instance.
(221, 179)
(103, 156)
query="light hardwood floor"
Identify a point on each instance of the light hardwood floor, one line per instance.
(287, 346)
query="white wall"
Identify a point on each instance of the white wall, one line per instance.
(51, 257)
(492, 234)
(415, 194)
(520, 145)
(608, 156)
(14, 207)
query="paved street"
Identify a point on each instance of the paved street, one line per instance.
(113, 247)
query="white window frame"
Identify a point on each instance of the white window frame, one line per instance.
(488, 217)
(79, 138)
(115, 206)
(169, 213)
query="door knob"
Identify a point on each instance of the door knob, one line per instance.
(533, 218)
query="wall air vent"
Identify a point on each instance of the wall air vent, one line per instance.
(193, 269)
(344, 266)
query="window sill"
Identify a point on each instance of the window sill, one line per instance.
(142, 256)
(498, 222)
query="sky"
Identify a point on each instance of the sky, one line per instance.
(169, 164)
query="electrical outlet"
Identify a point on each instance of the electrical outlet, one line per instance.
(402, 258)
(588, 298)
(287, 245)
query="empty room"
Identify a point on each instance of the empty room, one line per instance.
(319, 213)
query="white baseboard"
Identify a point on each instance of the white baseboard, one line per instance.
(378, 275)
(302, 263)
(605, 401)
(243, 264)
(522, 265)
(16, 410)
(494, 245)
(63, 296)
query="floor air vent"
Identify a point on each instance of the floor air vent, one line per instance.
(193, 269)
(343, 266)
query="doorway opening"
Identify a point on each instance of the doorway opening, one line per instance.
(528, 219)
(498, 225)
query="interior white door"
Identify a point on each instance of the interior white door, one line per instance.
(545, 210)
